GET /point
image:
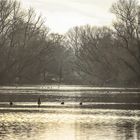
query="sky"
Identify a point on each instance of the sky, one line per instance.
(61, 15)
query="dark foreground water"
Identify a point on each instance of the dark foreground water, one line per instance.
(69, 124)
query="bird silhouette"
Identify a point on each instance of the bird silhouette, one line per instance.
(39, 102)
(62, 103)
(11, 103)
(80, 103)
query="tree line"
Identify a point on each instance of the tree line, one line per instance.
(101, 56)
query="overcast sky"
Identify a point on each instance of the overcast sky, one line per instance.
(63, 14)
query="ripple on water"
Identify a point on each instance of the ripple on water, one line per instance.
(87, 125)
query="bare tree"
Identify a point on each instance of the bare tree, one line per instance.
(91, 46)
(127, 35)
(24, 42)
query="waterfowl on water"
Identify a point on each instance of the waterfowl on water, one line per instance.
(11, 103)
(39, 102)
(80, 103)
(62, 103)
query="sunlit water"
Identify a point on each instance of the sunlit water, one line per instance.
(53, 121)
(70, 124)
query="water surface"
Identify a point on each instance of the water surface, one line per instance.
(53, 121)
(70, 124)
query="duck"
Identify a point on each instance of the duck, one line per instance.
(62, 103)
(11, 103)
(80, 103)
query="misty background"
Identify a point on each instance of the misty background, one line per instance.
(106, 54)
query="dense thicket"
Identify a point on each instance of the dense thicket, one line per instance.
(31, 54)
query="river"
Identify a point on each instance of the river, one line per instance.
(53, 121)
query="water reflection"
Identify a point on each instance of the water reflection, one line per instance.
(96, 125)
(130, 130)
